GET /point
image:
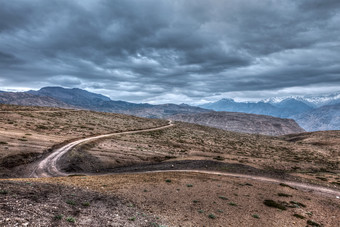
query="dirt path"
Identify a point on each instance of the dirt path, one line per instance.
(48, 166)
(293, 184)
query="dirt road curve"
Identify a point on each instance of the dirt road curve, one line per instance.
(48, 166)
(264, 179)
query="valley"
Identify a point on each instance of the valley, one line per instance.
(162, 174)
(148, 113)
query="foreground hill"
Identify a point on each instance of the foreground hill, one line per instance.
(29, 134)
(241, 122)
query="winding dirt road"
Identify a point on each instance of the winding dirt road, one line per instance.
(303, 186)
(48, 166)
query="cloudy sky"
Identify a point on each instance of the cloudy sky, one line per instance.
(161, 51)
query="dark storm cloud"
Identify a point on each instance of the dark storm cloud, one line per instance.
(158, 50)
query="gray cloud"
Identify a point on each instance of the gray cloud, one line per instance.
(160, 51)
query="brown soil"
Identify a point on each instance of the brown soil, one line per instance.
(34, 204)
(28, 132)
(299, 155)
(173, 198)
(187, 199)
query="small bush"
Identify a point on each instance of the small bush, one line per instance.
(298, 216)
(222, 197)
(219, 158)
(312, 223)
(298, 204)
(71, 202)
(232, 204)
(256, 216)
(189, 185)
(41, 127)
(168, 181)
(284, 195)
(3, 192)
(3, 143)
(322, 178)
(272, 203)
(211, 216)
(71, 219)
(287, 186)
(58, 217)
(85, 204)
(132, 219)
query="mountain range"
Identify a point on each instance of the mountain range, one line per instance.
(313, 113)
(242, 122)
(306, 111)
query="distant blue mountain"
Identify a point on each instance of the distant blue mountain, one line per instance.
(283, 109)
(323, 118)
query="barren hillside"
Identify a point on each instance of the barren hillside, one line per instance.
(27, 132)
(242, 122)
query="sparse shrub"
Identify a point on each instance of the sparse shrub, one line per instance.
(85, 204)
(298, 216)
(71, 202)
(219, 158)
(200, 211)
(312, 223)
(211, 216)
(42, 127)
(322, 178)
(189, 185)
(222, 197)
(3, 143)
(272, 203)
(71, 219)
(232, 204)
(256, 216)
(298, 204)
(3, 192)
(284, 195)
(168, 181)
(286, 185)
(58, 217)
(132, 219)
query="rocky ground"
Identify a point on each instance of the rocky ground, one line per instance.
(28, 203)
(195, 199)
